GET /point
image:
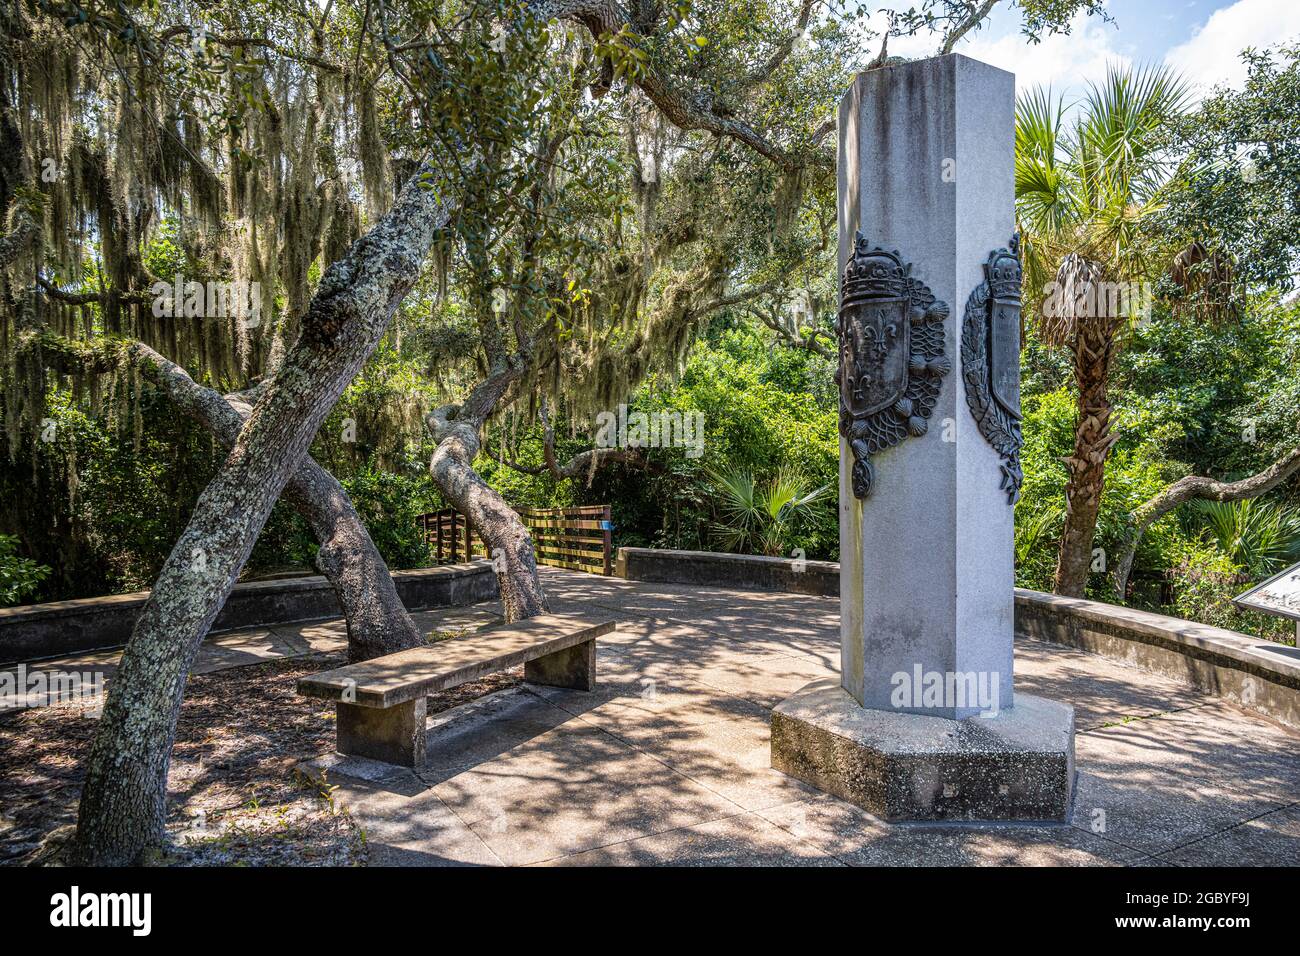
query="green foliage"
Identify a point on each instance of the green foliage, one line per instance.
(1036, 535)
(1206, 580)
(766, 412)
(1240, 170)
(389, 505)
(101, 500)
(1093, 183)
(634, 262)
(1257, 536)
(19, 576)
(756, 518)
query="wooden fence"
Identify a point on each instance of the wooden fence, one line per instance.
(451, 537)
(579, 538)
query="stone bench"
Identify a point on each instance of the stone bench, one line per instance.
(381, 703)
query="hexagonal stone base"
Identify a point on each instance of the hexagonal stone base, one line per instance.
(1018, 765)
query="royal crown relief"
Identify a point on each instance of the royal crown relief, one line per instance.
(892, 361)
(990, 359)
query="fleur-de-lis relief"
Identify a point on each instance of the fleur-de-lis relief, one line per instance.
(881, 340)
(891, 355)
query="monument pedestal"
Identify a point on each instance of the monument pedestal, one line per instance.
(923, 723)
(1018, 765)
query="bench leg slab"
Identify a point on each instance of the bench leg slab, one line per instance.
(391, 734)
(574, 667)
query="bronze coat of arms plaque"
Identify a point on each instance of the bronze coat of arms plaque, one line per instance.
(892, 360)
(990, 357)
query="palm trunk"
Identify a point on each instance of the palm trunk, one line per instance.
(1094, 351)
(123, 803)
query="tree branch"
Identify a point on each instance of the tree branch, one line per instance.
(784, 48)
(377, 621)
(1191, 487)
(686, 111)
(456, 429)
(583, 463)
(973, 19)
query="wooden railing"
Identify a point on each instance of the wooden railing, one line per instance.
(578, 538)
(451, 537)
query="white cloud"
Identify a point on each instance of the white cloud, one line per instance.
(1065, 62)
(1211, 56)
(914, 47)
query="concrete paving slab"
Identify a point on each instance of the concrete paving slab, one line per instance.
(859, 839)
(731, 757)
(571, 790)
(1101, 692)
(744, 840)
(650, 703)
(660, 762)
(1160, 809)
(1269, 840)
(765, 679)
(412, 830)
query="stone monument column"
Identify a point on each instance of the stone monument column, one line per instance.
(923, 723)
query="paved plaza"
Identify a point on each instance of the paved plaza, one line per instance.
(667, 762)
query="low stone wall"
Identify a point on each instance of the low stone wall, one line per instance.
(718, 570)
(69, 627)
(1257, 674)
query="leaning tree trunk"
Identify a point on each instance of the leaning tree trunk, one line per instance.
(456, 429)
(123, 803)
(377, 620)
(1192, 487)
(1094, 350)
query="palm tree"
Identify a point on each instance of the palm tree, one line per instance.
(1087, 192)
(758, 518)
(1261, 538)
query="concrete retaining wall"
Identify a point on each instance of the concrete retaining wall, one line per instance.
(1260, 675)
(1257, 674)
(68, 627)
(717, 570)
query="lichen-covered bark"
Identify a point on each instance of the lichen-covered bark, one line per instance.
(123, 804)
(377, 620)
(457, 430)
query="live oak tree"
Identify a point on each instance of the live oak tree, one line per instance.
(628, 232)
(240, 139)
(122, 807)
(310, 354)
(721, 114)
(113, 133)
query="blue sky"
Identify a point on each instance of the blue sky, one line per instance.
(1201, 38)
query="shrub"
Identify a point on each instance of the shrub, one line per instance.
(19, 576)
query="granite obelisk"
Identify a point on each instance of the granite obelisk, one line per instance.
(924, 723)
